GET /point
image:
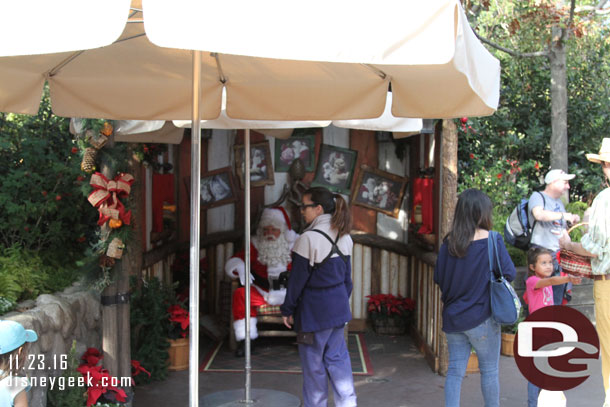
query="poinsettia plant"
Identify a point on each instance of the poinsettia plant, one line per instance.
(179, 321)
(99, 381)
(385, 306)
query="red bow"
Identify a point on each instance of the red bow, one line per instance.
(105, 196)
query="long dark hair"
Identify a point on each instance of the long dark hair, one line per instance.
(473, 210)
(334, 204)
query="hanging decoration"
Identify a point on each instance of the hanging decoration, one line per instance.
(108, 193)
(105, 197)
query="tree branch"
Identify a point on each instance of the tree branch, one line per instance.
(510, 51)
(565, 31)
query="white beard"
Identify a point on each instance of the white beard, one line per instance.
(273, 252)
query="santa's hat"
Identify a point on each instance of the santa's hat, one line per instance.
(278, 217)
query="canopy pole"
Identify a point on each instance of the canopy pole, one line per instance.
(248, 366)
(194, 246)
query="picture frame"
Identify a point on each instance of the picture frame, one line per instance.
(217, 188)
(379, 190)
(261, 165)
(301, 146)
(335, 168)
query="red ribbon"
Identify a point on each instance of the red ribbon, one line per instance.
(106, 194)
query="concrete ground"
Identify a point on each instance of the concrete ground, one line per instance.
(402, 378)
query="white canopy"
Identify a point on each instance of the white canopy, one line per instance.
(277, 60)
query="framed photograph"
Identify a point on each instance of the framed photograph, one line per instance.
(335, 168)
(217, 188)
(379, 190)
(261, 166)
(286, 151)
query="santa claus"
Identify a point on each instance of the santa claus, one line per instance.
(270, 252)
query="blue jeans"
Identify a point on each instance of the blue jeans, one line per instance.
(532, 394)
(485, 339)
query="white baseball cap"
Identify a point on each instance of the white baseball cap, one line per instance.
(556, 175)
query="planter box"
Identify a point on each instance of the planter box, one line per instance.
(178, 354)
(508, 341)
(390, 326)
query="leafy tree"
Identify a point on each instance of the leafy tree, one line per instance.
(42, 207)
(550, 47)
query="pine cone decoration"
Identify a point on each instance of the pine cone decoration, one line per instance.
(88, 163)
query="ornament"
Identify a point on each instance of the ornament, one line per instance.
(115, 223)
(96, 140)
(107, 129)
(88, 163)
(115, 248)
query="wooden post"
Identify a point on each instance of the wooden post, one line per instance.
(110, 339)
(448, 200)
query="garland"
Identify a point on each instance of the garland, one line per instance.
(107, 194)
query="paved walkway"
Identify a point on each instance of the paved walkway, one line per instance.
(401, 378)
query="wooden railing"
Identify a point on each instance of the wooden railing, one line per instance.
(379, 265)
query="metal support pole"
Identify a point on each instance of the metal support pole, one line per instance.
(194, 245)
(248, 366)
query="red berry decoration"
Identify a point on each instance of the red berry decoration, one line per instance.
(74, 150)
(464, 119)
(26, 228)
(80, 178)
(58, 197)
(44, 193)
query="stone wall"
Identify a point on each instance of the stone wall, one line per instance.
(58, 319)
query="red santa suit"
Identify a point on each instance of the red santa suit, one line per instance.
(261, 274)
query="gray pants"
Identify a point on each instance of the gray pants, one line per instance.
(327, 358)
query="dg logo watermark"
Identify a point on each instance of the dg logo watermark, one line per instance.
(556, 347)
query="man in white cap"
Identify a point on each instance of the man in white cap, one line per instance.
(270, 256)
(548, 210)
(595, 244)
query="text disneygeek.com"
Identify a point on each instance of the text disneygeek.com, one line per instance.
(62, 382)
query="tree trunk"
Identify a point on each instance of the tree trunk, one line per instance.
(449, 160)
(559, 102)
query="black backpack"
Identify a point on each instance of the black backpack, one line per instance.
(517, 230)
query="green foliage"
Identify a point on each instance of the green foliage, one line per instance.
(24, 274)
(70, 396)
(41, 203)
(6, 305)
(578, 208)
(149, 327)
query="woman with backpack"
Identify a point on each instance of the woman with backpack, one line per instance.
(463, 274)
(317, 298)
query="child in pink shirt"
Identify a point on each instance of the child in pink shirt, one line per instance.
(539, 293)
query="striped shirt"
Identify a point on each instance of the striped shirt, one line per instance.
(597, 240)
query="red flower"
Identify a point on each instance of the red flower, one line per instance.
(137, 368)
(389, 304)
(471, 156)
(179, 315)
(74, 150)
(464, 120)
(101, 383)
(58, 197)
(537, 165)
(499, 175)
(92, 356)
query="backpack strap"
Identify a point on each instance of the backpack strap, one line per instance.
(333, 250)
(543, 206)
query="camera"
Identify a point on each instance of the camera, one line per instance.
(281, 281)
